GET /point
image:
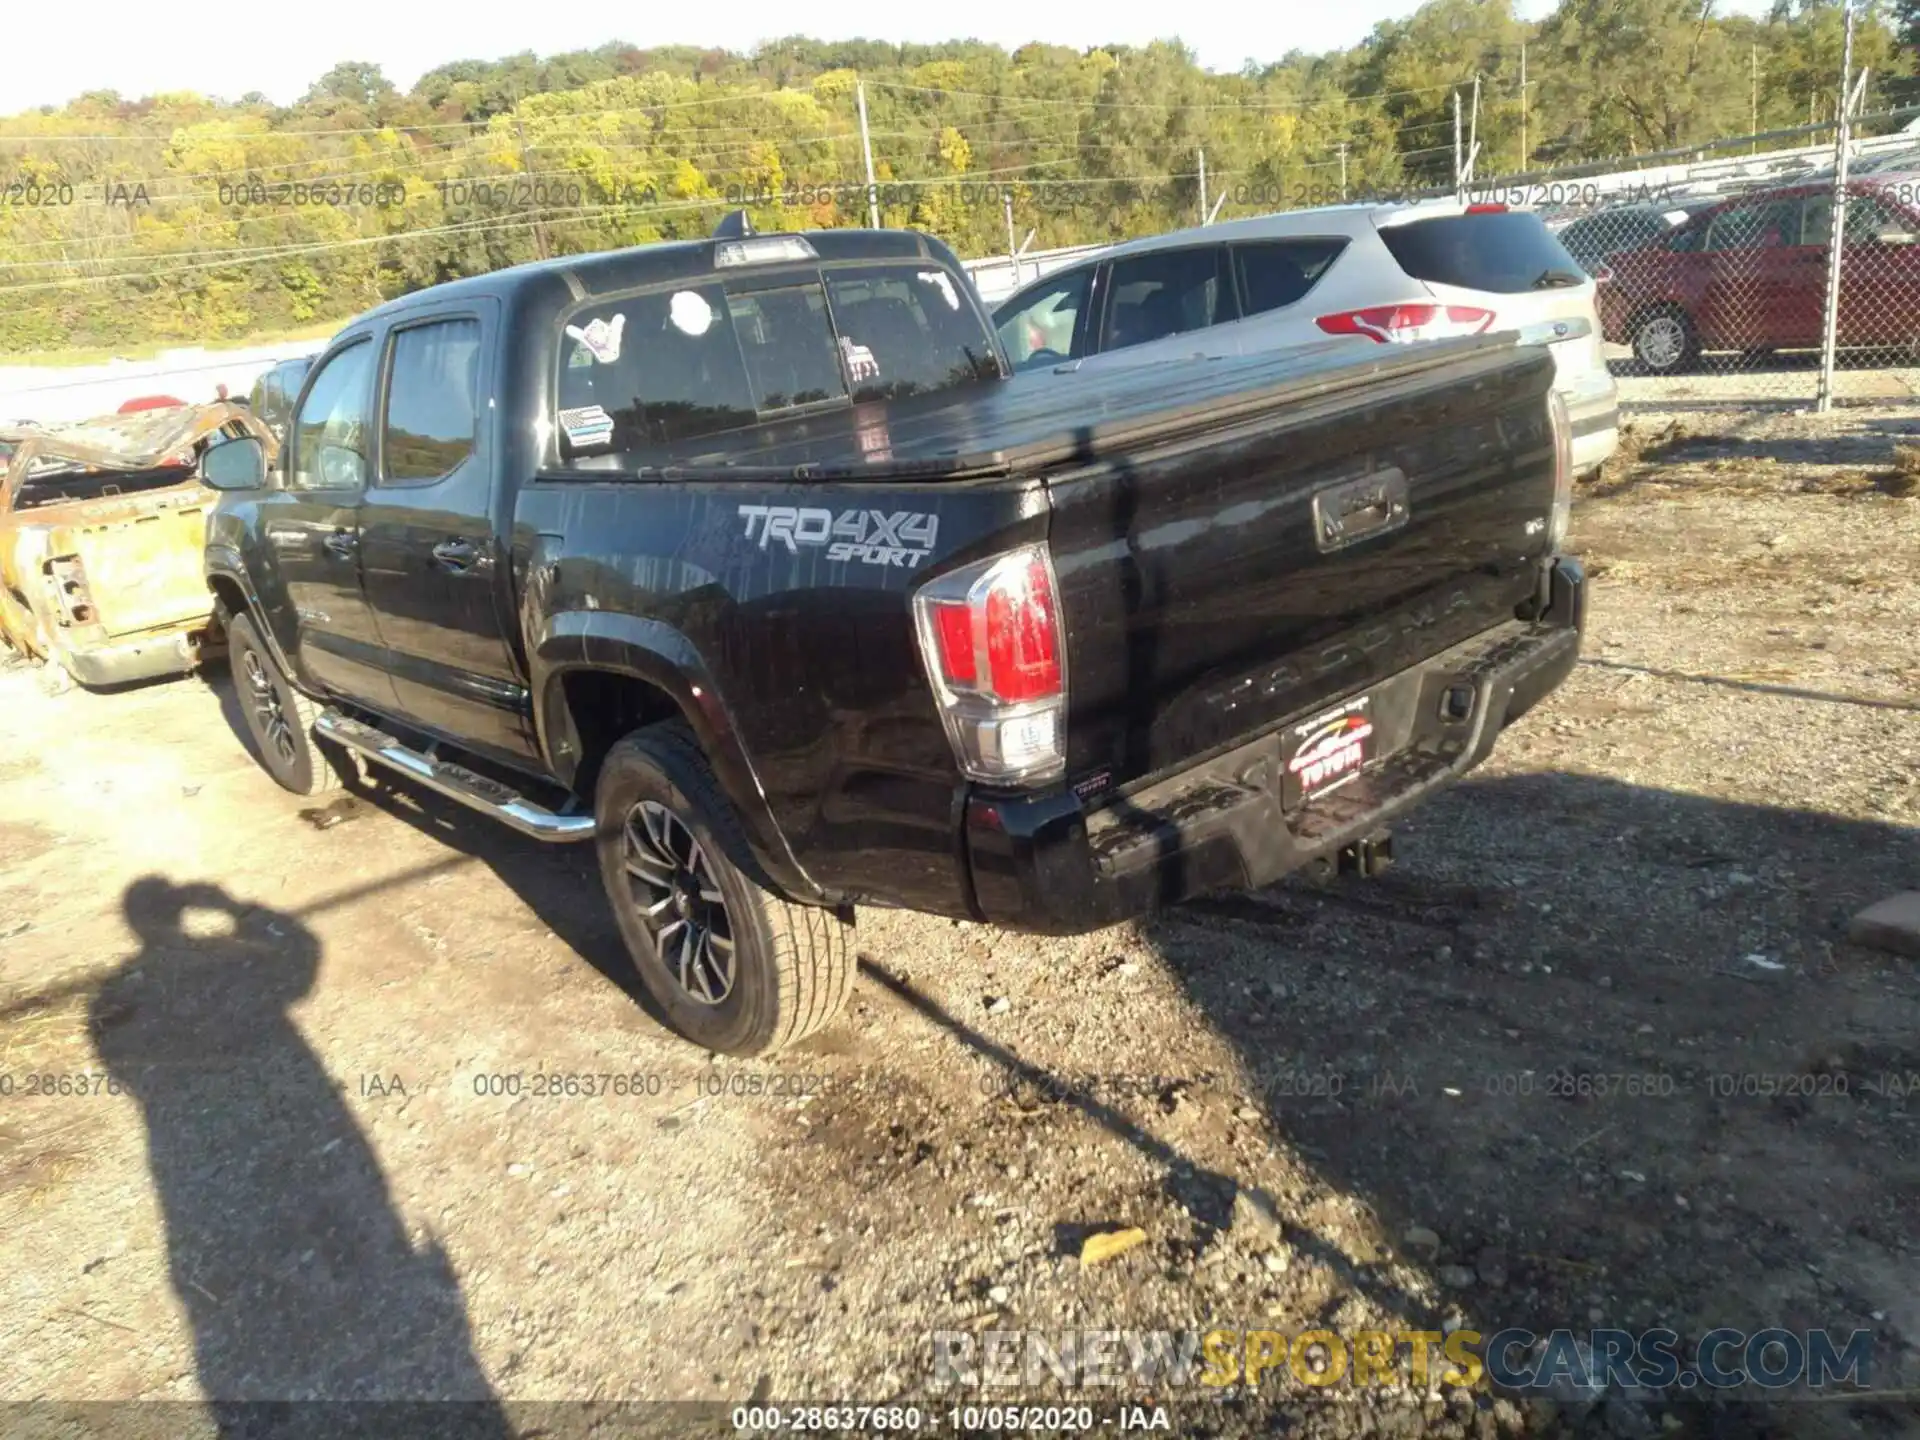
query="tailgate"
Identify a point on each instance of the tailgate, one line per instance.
(144, 571)
(1216, 585)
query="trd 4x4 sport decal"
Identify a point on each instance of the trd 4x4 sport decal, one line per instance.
(873, 537)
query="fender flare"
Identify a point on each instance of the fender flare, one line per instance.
(223, 563)
(661, 656)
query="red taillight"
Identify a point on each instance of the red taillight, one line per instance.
(953, 625)
(1486, 207)
(1404, 324)
(991, 637)
(1023, 643)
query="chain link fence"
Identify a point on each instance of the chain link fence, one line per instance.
(1729, 298)
(1787, 280)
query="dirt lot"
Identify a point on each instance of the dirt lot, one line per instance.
(300, 1182)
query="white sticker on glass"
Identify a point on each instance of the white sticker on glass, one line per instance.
(601, 338)
(690, 312)
(860, 362)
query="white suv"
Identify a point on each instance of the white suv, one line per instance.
(1374, 274)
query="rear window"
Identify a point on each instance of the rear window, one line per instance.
(1502, 252)
(650, 372)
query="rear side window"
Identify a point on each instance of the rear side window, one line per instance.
(1277, 273)
(1503, 252)
(433, 406)
(1168, 292)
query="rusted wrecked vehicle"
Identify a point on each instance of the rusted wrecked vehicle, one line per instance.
(101, 530)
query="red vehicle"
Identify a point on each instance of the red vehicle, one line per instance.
(150, 402)
(1750, 274)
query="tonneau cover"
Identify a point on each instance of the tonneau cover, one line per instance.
(1033, 420)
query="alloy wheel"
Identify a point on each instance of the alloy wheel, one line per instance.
(270, 716)
(679, 902)
(1661, 342)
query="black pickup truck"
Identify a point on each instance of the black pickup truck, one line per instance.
(749, 560)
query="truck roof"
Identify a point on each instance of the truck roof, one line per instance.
(611, 271)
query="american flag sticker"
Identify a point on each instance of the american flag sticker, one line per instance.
(587, 425)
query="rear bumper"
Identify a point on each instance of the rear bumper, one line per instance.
(145, 658)
(1593, 407)
(1042, 863)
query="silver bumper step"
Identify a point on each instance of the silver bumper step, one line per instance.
(456, 782)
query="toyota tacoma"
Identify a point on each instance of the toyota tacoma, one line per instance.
(749, 561)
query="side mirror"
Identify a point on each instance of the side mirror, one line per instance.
(236, 465)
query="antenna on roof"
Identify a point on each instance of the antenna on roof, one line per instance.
(736, 226)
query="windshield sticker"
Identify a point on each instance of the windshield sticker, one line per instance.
(860, 362)
(943, 284)
(690, 312)
(601, 338)
(586, 426)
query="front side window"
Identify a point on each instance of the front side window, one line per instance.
(1868, 218)
(330, 433)
(433, 405)
(1041, 330)
(1169, 292)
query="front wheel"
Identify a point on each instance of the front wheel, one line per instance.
(737, 968)
(1663, 340)
(279, 719)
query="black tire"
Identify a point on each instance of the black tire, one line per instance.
(1664, 340)
(760, 971)
(279, 719)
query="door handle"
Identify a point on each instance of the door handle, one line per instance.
(342, 543)
(455, 555)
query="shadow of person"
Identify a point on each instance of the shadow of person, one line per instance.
(296, 1273)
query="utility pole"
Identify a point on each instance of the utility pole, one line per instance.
(1343, 172)
(1837, 231)
(1753, 101)
(866, 149)
(1201, 152)
(540, 246)
(1473, 122)
(1458, 182)
(1013, 255)
(1523, 107)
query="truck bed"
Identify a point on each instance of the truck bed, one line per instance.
(1039, 420)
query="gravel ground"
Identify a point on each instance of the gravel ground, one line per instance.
(1514, 1082)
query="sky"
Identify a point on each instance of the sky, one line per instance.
(138, 47)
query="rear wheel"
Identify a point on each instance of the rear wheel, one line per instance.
(737, 968)
(279, 719)
(1664, 340)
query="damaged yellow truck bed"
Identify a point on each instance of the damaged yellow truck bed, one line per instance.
(101, 531)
